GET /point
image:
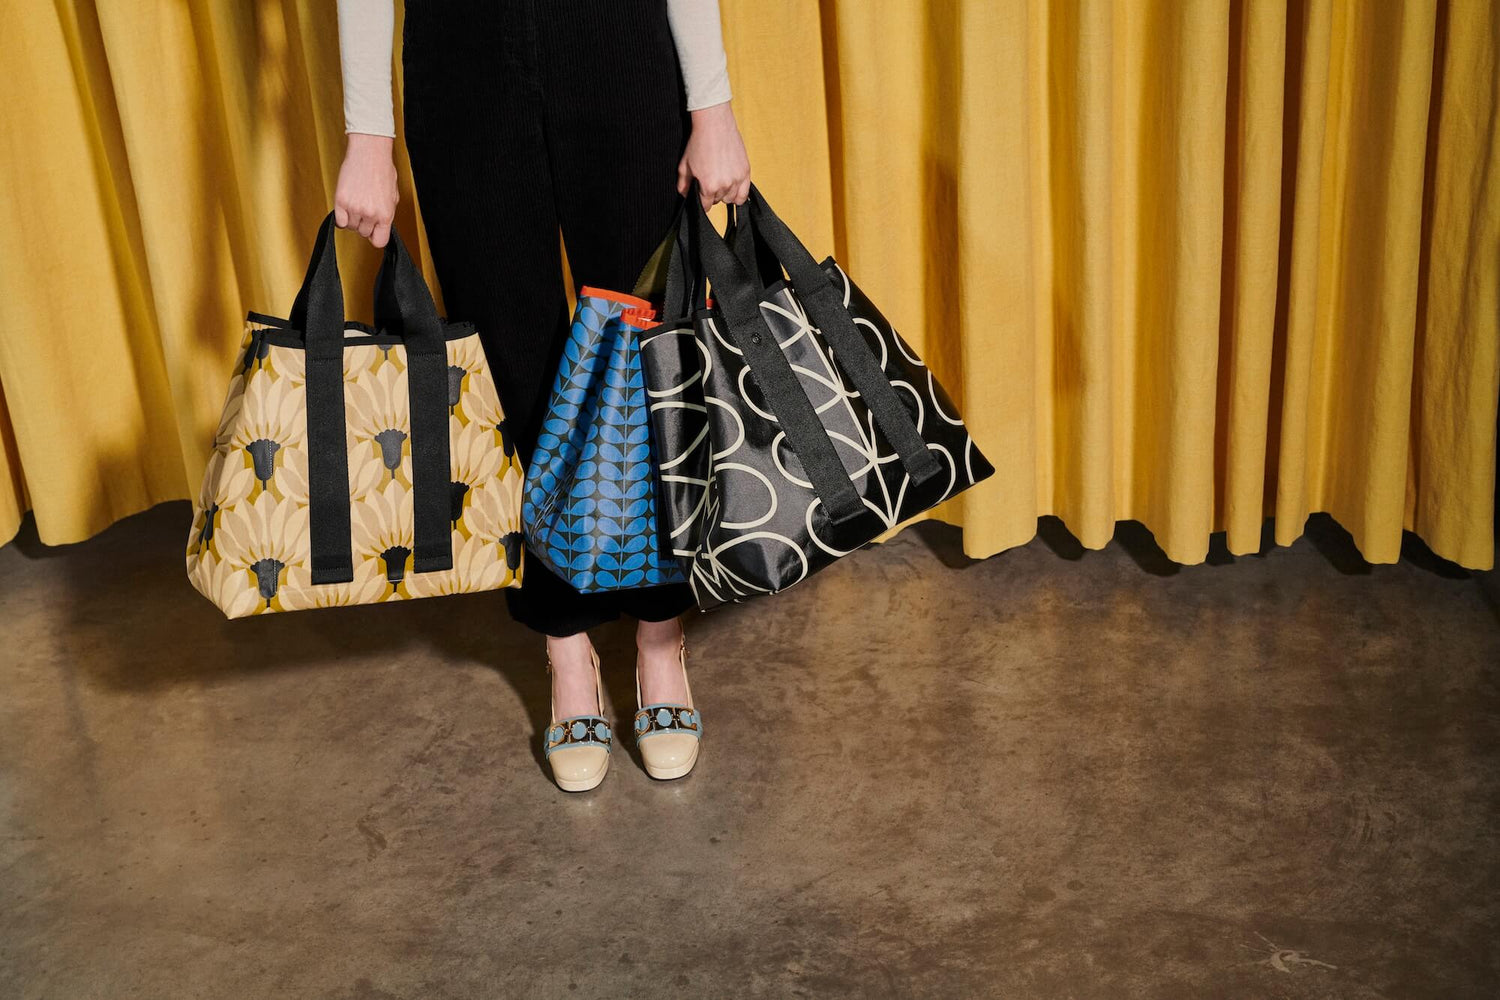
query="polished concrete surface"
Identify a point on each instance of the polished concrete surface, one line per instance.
(1049, 774)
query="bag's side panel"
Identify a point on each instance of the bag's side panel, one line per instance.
(629, 553)
(672, 363)
(937, 419)
(559, 507)
(262, 534)
(227, 479)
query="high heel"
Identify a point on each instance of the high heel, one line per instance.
(668, 735)
(577, 747)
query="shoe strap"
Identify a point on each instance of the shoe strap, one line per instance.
(654, 719)
(578, 730)
(682, 662)
(664, 717)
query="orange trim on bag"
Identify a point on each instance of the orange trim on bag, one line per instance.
(620, 297)
(640, 320)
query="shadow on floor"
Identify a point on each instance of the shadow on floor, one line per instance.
(134, 572)
(1325, 534)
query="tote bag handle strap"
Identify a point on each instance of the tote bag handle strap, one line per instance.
(825, 306)
(404, 306)
(319, 313)
(737, 294)
(318, 310)
(672, 274)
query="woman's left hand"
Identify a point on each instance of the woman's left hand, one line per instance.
(715, 158)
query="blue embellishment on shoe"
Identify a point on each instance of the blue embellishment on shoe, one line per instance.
(653, 719)
(582, 730)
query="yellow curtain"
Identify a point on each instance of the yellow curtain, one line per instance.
(1191, 263)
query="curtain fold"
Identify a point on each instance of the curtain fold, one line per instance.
(1193, 264)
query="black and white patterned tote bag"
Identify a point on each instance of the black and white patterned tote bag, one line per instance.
(792, 424)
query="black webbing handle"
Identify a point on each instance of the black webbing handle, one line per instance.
(737, 295)
(685, 291)
(673, 274)
(851, 352)
(403, 305)
(319, 313)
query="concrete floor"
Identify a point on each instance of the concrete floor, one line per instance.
(1049, 774)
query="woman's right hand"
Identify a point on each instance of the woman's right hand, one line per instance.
(366, 197)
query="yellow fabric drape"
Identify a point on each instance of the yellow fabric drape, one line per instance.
(1191, 263)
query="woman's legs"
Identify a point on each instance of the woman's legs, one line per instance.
(521, 117)
(616, 128)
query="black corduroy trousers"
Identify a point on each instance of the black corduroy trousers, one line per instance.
(523, 117)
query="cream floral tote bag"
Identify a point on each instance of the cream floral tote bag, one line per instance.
(355, 465)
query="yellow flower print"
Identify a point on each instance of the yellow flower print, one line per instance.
(234, 399)
(480, 405)
(474, 568)
(272, 417)
(377, 408)
(369, 586)
(381, 527)
(291, 362)
(465, 362)
(227, 585)
(265, 535)
(234, 402)
(494, 510)
(494, 517)
(467, 353)
(366, 469)
(291, 474)
(475, 459)
(227, 480)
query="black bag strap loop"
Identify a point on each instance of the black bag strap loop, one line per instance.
(824, 304)
(737, 294)
(404, 305)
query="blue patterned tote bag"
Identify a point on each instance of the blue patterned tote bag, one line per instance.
(589, 502)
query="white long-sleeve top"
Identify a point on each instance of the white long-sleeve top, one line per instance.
(367, 31)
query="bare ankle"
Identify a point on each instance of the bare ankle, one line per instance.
(651, 637)
(570, 650)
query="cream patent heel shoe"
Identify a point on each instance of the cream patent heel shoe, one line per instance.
(668, 736)
(577, 747)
